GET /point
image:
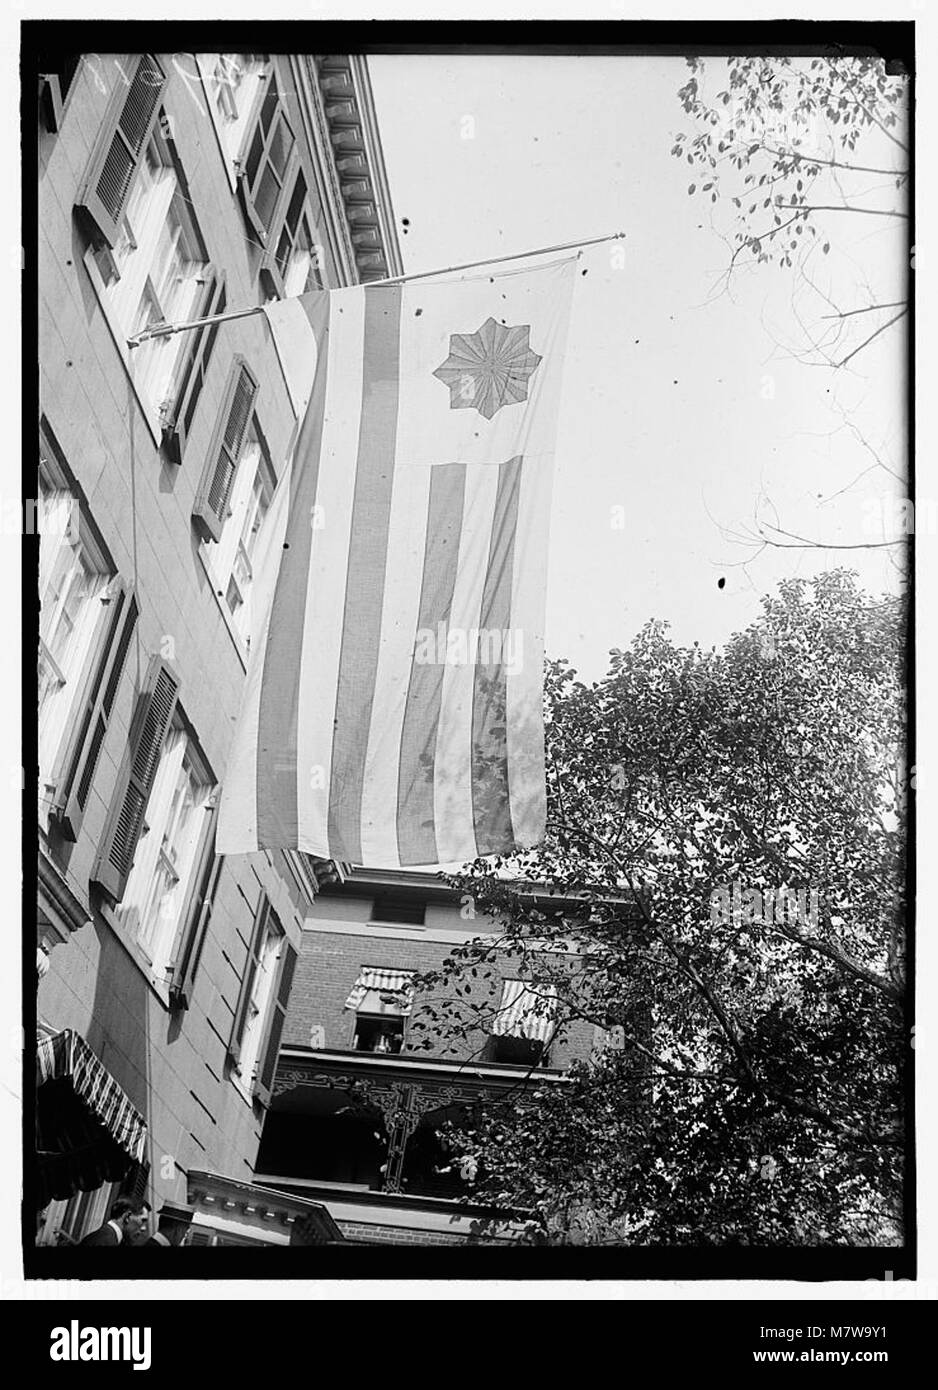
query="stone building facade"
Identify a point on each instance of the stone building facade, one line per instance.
(171, 187)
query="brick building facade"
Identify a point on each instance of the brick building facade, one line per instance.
(362, 1088)
(172, 186)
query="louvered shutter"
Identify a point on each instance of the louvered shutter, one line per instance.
(154, 716)
(247, 980)
(94, 711)
(121, 147)
(263, 1084)
(185, 962)
(136, 1182)
(177, 425)
(210, 510)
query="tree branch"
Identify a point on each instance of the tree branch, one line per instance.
(838, 207)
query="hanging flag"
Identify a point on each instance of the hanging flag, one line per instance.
(392, 713)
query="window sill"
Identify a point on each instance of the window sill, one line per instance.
(148, 412)
(244, 1091)
(159, 987)
(398, 926)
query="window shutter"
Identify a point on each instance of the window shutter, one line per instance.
(90, 728)
(247, 980)
(269, 1053)
(210, 510)
(134, 1185)
(189, 949)
(120, 148)
(154, 716)
(178, 424)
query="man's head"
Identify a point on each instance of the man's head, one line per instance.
(132, 1215)
(173, 1223)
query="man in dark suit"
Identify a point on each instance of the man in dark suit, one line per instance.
(128, 1220)
(172, 1227)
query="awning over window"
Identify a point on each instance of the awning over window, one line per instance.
(87, 1131)
(382, 992)
(526, 1011)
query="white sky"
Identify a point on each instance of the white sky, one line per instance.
(680, 410)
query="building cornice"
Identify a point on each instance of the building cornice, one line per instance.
(60, 911)
(348, 143)
(373, 1202)
(257, 1207)
(312, 874)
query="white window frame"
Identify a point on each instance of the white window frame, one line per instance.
(261, 1001)
(239, 98)
(68, 1219)
(238, 545)
(152, 919)
(62, 530)
(133, 285)
(304, 257)
(301, 261)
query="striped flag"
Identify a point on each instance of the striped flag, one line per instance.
(392, 713)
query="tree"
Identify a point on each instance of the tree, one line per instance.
(731, 827)
(784, 144)
(790, 155)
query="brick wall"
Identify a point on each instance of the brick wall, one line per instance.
(329, 964)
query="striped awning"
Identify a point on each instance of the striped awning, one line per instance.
(379, 991)
(87, 1130)
(525, 1011)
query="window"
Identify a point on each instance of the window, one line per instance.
(153, 718)
(293, 269)
(73, 581)
(262, 1004)
(173, 824)
(516, 1052)
(267, 958)
(210, 510)
(230, 559)
(120, 148)
(378, 1034)
(389, 908)
(233, 81)
(67, 1220)
(86, 626)
(147, 259)
(267, 166)
(382, 1000)
(177, 420)
(523, 1024)
(156, 271)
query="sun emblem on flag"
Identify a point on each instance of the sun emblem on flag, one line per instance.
(489, 368)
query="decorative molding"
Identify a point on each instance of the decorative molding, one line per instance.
(342, 108)
(376, 931)
(258, 1207)
(401, 1104)
(60, 911)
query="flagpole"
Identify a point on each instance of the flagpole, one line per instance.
(166, 330)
